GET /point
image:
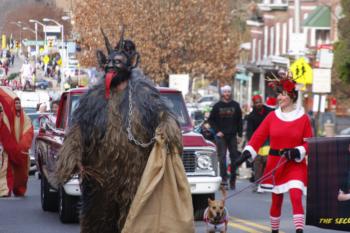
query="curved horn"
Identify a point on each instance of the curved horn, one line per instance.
(108, 45)
(121, 40)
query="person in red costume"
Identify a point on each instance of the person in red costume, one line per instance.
(286, 168)
(16, 135)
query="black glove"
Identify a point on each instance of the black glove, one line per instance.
(291, 154)
(244, 157)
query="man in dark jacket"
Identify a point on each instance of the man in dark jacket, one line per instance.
(254, 119)
(226, 120)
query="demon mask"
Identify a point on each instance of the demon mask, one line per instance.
(119, 61)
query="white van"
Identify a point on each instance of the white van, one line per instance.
(30, 100)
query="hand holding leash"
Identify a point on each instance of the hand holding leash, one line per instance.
(291, 153)
(244, 157)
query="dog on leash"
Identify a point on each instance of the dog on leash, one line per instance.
(216, 215)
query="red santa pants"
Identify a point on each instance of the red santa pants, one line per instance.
(295, 198)
(20, 175)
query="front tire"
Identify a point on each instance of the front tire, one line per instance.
(67, 207)
(48, 196)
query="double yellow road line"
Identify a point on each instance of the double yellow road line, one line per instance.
(248, 226)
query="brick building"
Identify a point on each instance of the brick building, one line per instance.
(273, 40)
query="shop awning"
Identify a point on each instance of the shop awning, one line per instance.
(320, 18)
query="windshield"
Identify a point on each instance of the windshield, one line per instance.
(74, 104)
(175, 102)
(35, 120)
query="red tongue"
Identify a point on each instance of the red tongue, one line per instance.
(108, 80)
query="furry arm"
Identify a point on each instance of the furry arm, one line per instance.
(171, 133)
(70, 154)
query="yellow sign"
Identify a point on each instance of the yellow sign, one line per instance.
(46, 59)
(302, 71)
(59, 62)
(3, 44)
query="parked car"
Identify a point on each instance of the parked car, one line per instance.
(42, 84)
(207, 101)
(345, 131)
(31, 99)
(199, 158)
(36, 122)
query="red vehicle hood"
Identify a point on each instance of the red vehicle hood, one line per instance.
(192, 139)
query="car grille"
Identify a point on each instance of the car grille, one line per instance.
(189, 161)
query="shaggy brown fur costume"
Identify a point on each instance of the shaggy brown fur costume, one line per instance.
(110, 165)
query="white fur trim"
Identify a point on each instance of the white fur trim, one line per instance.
(302, 152)
(298, 215)
(283, 188)
(290, 116)
(251, 150)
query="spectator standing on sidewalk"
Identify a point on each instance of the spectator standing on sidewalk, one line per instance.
(226, 120)
(254, 119)
(16, 135)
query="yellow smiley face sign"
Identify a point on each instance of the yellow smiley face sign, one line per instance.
(302, 71)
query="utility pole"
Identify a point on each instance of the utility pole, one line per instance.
(297, 16)
(297, 32)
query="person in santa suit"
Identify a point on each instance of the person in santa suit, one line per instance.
(286, 171)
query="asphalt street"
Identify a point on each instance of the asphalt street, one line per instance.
(248, 213)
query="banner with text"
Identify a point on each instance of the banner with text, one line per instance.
(328, 196)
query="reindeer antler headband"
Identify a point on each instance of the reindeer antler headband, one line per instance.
(284, 82)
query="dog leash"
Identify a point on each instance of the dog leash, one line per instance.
(267, 175)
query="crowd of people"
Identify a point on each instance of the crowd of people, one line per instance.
(278, 158)
(16, 135)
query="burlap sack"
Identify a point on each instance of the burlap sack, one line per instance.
(163, 202)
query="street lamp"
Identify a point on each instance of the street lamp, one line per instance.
(36, 22)
(65, 18)
(36, 40)
(62, 43)
(62, 28)
(19, 25)
(29, 29)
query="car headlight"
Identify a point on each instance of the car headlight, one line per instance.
(206, 162)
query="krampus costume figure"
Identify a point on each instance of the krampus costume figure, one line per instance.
(113, 132)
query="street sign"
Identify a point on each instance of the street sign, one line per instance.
(321, 81)
(46, 59)
(302, 71)
(33, 42)
(52, 29)
(71, 47)
(297, 44)
(3, 42)
(179, 82)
